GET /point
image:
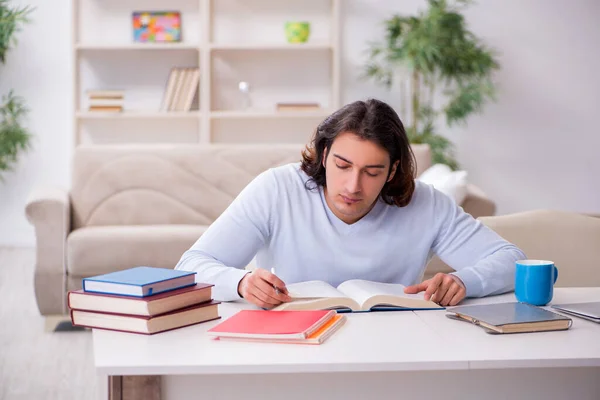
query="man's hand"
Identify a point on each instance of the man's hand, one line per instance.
(444, 289)
(264, 289)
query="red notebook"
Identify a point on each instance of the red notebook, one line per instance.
(265, 324)
(318, 337)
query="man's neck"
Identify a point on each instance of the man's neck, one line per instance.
(347, 220)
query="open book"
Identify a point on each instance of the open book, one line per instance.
(353, 295)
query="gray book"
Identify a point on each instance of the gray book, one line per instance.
(510, 318)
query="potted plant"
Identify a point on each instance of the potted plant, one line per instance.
(440, 65)
(14, 137)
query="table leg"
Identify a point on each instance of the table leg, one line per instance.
(115, 388)
(134, 387)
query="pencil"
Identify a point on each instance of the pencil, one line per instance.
(274, 287)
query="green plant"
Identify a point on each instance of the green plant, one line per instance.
(14, 138)
(427, 54)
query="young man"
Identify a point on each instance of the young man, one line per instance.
(350, 210)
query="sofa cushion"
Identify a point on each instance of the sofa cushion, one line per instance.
(103, 249)
(452, 183)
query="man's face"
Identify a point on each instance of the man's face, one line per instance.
(355, 171)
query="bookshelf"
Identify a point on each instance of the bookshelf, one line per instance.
(229, 41)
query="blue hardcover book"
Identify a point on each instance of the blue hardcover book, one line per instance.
(139, 281)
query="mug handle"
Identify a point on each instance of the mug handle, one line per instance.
(555, 274)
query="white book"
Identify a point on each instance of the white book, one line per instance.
(179, 77)
(169, 89)
(191, 89)
(105, 94)
(354, 295)
(183, 85)
(106, 102)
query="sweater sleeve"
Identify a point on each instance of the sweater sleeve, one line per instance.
(483, 260)
(220, 255)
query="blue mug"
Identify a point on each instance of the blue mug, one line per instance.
(534, 281)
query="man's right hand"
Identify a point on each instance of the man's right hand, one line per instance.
(258, 287)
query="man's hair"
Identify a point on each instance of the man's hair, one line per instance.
(371, 120)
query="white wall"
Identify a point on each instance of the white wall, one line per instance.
(534, 148)
(39, 69)
(537, 146)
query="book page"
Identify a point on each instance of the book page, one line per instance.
(312, 290)
(361, 290)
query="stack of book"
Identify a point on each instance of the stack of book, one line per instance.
(292, 327)
(181, 90)
(142, 300)
(106, 100)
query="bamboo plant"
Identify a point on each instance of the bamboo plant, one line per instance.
(14, 137)
(440, 68)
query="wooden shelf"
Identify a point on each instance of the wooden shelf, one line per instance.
(270, 46)
(138, 115)
(104, 56)
(268, 114)
(137, 46)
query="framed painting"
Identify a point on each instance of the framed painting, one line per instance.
(156, 26)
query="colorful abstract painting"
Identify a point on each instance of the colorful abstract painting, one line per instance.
(156, 26)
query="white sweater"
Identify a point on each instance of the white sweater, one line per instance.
(291, 228)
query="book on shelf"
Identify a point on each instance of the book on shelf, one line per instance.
(172, 98)
(513, 317)
(181, 89)
(105, 108)
(148, 306)
(285, 326)
(354, 296)
(169, 89)
(105, 94)
(192, 89)
(139, 281)
(298, 106)
(106, 100)
(148, 325)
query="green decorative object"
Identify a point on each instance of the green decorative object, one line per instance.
(297, 32)
(429, 54)
(14, 137)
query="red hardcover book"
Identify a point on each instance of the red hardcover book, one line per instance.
(263, 324)
(151, 305)
(195, 314)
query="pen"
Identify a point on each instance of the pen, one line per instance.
(274, 287)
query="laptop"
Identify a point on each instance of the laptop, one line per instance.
(589, 311)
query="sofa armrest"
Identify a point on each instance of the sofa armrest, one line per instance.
(49, 211)
(477, 203)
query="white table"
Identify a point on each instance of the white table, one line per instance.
(374, 355)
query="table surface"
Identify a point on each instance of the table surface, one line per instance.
(378, 341)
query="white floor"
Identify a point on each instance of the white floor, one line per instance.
(35, 364)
